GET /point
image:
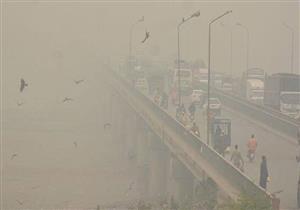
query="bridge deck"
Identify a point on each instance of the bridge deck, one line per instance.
(194, 153)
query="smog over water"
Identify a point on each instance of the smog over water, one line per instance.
(104, 105)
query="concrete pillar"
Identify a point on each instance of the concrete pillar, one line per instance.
(132, 132)
(143, 162)
(181, 185)
(158, 164)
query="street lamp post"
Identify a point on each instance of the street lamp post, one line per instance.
(196, 14)
(247, 56)
(130, 36)
(209, 72)
(292, 48)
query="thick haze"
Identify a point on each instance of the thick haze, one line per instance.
(49, 42)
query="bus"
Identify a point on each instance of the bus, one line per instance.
(186, 79)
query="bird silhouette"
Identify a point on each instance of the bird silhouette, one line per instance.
(147, 35)
(23, 85)
(78, 81)
(13, 156)
(20, 103)
(19, 202)
(66, 99)
(130, 187)
(75, 144)
(106, 125)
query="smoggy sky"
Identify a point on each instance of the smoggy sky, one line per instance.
(50, 41)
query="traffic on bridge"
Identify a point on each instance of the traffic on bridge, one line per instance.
(165, 105)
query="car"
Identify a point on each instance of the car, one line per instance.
(197, 96)
(142, 85)
(214, 106)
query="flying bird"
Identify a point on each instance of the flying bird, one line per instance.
(130, 187)
(13, 156)
(23, 85)
(19, 202)
(75, 144)
(78, 81)
(147, 35)
(67, 99)
(106, 125)
(20, 103)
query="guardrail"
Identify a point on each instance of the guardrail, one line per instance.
(265, 115)
(239, 181)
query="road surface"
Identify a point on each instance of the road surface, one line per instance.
(280, 152)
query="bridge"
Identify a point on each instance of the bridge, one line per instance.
(175, 149)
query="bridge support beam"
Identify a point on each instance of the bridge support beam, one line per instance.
(181, 186)
(142, 160)
(158, 164)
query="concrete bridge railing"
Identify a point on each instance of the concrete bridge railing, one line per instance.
(190, 149)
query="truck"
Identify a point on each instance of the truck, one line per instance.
(142, 85)
(282, 92)
(252, 85)
(255, 91)
(227, 83)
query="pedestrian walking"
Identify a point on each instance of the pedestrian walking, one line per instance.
(264, 174)
(182, 108)
(192, 110)
(236, 159)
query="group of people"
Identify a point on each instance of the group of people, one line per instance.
(161, 98)
(188, 119)
(238, 161)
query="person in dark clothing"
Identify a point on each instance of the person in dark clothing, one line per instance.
(195, 129)
(264, 174)
(218, 131)
(217, 137)
(192, 110)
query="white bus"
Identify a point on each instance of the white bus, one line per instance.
(186, 79)
(203, 75)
